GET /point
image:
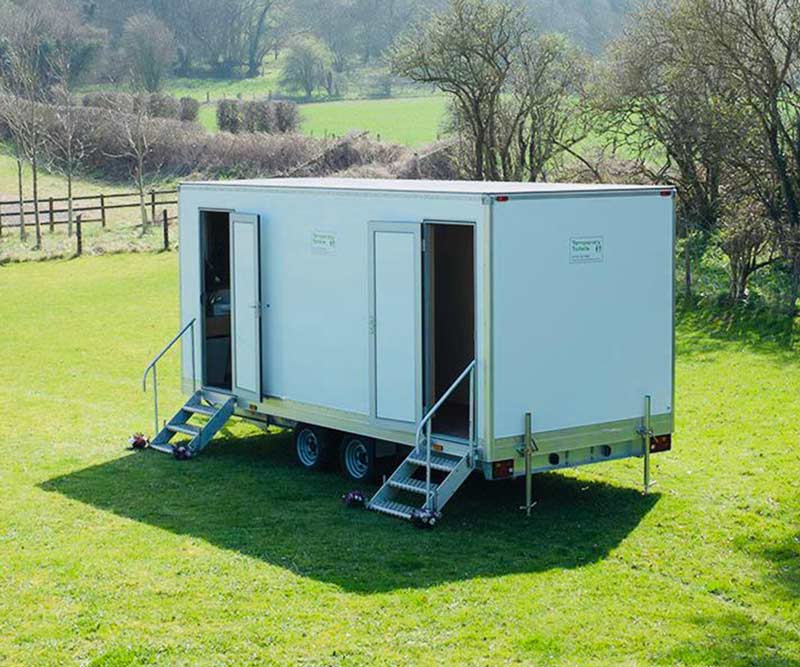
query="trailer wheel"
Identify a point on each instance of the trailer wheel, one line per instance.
(312, 446)
(357, 458)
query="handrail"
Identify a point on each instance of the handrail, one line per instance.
(157, 358)
(425, 422)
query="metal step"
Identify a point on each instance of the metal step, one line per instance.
(188, 429)
(438, 461)
(412, 485)
(393, 508)
(166, 449)
(201, 410)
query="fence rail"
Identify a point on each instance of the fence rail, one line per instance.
(50, 215)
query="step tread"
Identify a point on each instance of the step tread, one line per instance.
(201, 410)
(166, 449)
(187, 429)
(411, 484)
(438, 461)
(393, 507)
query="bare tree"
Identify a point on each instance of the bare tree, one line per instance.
(9, 111)
(756, 45)
(516, 100)
(23, 63)
(149, 48)
(466, 51)
(136, 146)
(306, 66)
(661, 101)
(749, 240)
(65, 142)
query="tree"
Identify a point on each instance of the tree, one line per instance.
(749, 240)
(756, 45)
(65, 142)
(515, 99)
(306, 66)
(23, 64)
(148, 47)
(136, 134)
(661, 100)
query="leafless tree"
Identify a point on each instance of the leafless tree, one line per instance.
(148, 47)
(756, 45)
(136, 146)
(515, 98)
(65, 140)
(660, 100)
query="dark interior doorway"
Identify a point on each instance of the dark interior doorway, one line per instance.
(216, 249)
(449, 321)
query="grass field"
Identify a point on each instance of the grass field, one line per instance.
(412, 121)
(114, 558)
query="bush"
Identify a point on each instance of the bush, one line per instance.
(237, 116)
(123, 102)
(229, 116)
(163, 106)
(157, 105)
(190, 109)
(287, 116)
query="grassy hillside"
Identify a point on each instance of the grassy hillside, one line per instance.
(109, 557)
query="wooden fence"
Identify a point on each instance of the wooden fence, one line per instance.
(53, 210)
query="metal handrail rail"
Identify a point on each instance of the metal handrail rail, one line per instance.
(156, 359)
(425, 423)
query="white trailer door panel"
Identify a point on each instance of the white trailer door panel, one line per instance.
(395, 321)
(246, 306)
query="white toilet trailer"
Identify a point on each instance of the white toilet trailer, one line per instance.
(508, 328)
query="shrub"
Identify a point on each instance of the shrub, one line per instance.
(257, 116)
(287, 116)
(180, 149)
(190, 109)
(229, 116)
(157, 105)
(123, 102)
(163, 106)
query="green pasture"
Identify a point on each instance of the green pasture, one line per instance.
(114, 558)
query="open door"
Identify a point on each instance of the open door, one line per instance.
(396, 321)
(246, 306)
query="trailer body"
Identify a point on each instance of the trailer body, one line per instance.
(353, 305)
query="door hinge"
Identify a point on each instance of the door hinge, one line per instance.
(372, 326)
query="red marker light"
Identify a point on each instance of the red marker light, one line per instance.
(501, 198)
(667, 193)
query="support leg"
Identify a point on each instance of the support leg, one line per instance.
(647, 434)
(528, 451)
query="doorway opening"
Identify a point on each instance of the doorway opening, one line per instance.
(449, 283)
(216, 253)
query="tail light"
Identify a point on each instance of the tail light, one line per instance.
(503, 469)
(661, 443)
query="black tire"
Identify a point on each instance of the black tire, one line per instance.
(357, 458)
(313, 446)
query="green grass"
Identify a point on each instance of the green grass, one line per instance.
(109, 557)
(413, 121)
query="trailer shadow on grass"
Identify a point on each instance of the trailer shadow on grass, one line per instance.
(247, 495)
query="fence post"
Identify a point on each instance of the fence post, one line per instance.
(103, 210)
(153, 206)
(79, 234)
(165, 226)
(51, 218)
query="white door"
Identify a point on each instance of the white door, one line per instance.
(246, 306)
(396, 321)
